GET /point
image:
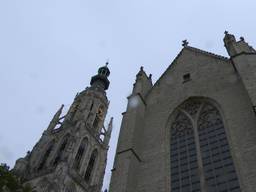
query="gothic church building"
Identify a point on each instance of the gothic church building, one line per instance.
(194, 130)
(71, 155)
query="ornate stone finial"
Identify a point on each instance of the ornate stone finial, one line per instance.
(141, 68)
(150, 76)
(242, 38)
(226, 32)
(185, 43)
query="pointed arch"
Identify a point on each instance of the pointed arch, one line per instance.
(91, 166)
(215, 168)
(61, 150)
(80, 153)
(183, 154)
(218, 166)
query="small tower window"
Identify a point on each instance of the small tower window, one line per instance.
(81, 151)
(90, 166)
(186, 77)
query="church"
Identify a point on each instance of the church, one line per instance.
(194, 130)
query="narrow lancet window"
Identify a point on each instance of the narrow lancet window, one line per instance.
(80, 153)
(218, 166)
(61, 150)
(184, 166)
(90, 167)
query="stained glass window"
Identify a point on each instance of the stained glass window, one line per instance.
(219, 170)
(184, 167)
(199, 145)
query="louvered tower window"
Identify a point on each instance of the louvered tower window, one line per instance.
(200, 153)
(90, 166)
(80, 153)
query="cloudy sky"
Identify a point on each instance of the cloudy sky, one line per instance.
(49, 49)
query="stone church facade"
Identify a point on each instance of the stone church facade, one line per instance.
(194, 130)
(71, 155)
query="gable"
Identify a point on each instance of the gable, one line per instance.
(204, 69)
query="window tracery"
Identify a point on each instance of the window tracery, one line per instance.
(184, 167)
(218, 166)
(209, 139)
(191, 107)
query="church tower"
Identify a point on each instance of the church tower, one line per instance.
(71, 155)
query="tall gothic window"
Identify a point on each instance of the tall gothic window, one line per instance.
(90, 166)
(200, 153)
(61, 150)
(218, 166)
(184, 166)
(79, 156)
(46, 156)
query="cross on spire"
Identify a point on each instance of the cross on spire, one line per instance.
(185, 43)
(107, 62)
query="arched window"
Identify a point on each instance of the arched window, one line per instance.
(200, 154)
(46, 156)
(218, 166)
(79, 155)
(184, 165)
(90, 166)
(61, 150)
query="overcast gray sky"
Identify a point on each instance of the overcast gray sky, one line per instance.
(49, 49)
